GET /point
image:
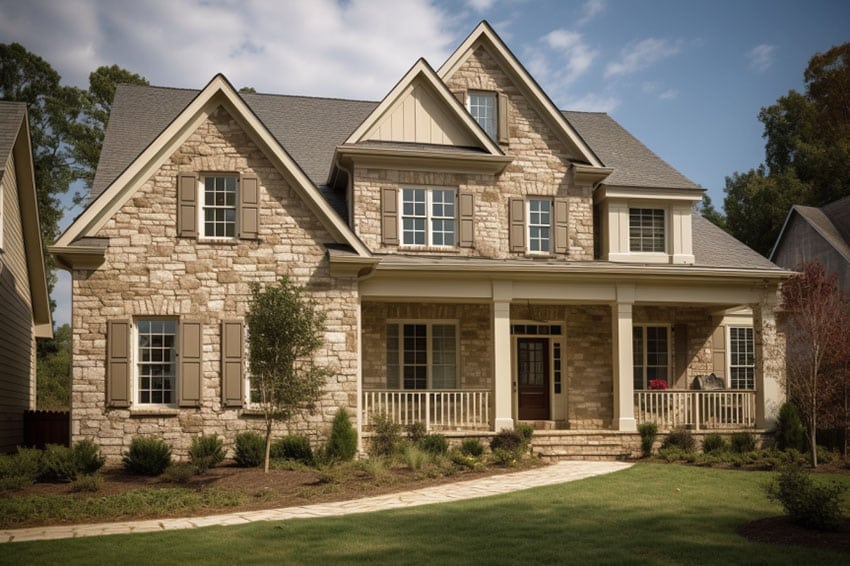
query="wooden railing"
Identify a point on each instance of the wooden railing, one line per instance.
(466, 409)
(700, 410)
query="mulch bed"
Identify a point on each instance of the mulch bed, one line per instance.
(780, 530)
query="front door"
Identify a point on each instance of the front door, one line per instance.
(532, 379)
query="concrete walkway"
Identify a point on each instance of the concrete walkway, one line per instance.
(560, 472)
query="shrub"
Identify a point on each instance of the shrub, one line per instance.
(206, 452)
(250, 449)
(526, 431)
(342, 444)
(464, 460)
(682, 439)
(20, 469)
(472, 447)
(416, 431)
(742, 442)
(87, 482)
(147, 456)
(434, 444)
(57, 463)
(713, 443)
(648, 432)
(181, 472)
(295, 447)
(507, 447)
(825, 455)
(789, 430)
(414, 457)
(504, 457)
(672, 454)
(807, 503)
(87, 457)
(386, 438)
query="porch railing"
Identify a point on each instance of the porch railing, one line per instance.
(439, 410)
(700, 410)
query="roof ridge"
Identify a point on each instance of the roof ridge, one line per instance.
(243, 94)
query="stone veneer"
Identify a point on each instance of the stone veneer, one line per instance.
(149, 272)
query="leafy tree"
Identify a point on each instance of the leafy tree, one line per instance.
(707, 210)
(247, 90)
(53, 371)
(284, 331)
(818, 316)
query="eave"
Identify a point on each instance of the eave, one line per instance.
(423, 159)
(347, 265)
(604, 192)
(78, 257)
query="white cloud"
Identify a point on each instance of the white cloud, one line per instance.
(761, 57)
(669, 94)
(655, 89)
(590, 10)
(593, 102)
(481, 5)
(640, 55)
(570, 46)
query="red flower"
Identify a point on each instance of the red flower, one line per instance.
(660, 384)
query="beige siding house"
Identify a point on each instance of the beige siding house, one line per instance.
(24, 303)
(483, 258)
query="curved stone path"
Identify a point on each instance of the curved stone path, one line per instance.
(560, 472)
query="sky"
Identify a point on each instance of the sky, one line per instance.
(687, 78)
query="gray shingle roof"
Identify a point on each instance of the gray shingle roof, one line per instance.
(713, 247)
(11, 115)
(832, 222)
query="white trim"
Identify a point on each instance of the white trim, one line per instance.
(429, 245)
(550, 240)
(557, 401)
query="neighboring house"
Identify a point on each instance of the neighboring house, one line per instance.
(821, 234)
(482, 258)
(24, 303)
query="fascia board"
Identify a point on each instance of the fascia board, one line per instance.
(604, 192)
(424, 160)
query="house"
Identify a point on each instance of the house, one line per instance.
(822, 234)
(24, 302)
(482, 257)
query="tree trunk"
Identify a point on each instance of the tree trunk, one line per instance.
(268, 446)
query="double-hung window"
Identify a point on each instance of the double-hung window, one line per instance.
(741, 358)
(219, 209)
(651, 352)
(428, 217)
(647, 230)
(482, 106)
(156, 362)
(539, 216)
(422, 355)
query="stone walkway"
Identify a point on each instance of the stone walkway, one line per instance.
(560, 472)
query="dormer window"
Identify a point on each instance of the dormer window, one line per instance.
(647, 230)
(482, 106)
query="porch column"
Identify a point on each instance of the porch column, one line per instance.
(622, 359)
(502, 292)
(769, 360)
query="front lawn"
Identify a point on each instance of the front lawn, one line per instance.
(651, 513)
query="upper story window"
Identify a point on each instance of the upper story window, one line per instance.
(741, 358)
(482, 106)
(428, 217)
(539, 225)
(647, 230)
(651, 352)
(156, 362)
(219, 206)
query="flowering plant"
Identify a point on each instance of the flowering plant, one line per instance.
(657, 384)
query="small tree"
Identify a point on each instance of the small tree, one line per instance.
(284, 330)
(818, 316)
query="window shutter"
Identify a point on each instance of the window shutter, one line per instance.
(187, 198)
(466, 206)
(517, 225)
(389, 216)
(189, 380)
(118, 363)
(504, 115)
(680, 343)
(562, 211)
(461, 97)
(718, 351)
(249, 207)
(232, 352)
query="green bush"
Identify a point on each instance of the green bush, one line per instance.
(206, 452)
(807, 503)
(342, 444)
(526, 431)
(825, 455)
(790, 434)
(414, 457)
(682, 439)
(181, 472)
(87, 482)
(57, 463)
(742, 442)
(672, 454)
(507, 441)
(472, 447)
(648, 433)
(713, 443)
(147, 456)
(386, 436)
(434, 444)
(295, 447)
(504, 457)
(20, 469)
(464, 460)
(416, 431)
(250, 449)
(87, 457)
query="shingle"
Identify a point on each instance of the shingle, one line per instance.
(831, 222)
(11, 115)
(838, 213)
(713, 247)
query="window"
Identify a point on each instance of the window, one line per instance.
(156, 361)
(741, 358)
(428, 217)
(651, 354)
(421, 356)
(482, 106)
(539, 225)
(646, 230)
(218, 213)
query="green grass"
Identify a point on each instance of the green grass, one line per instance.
(649, 514)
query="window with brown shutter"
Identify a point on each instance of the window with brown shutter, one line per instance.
(118, 363)
(562, 208)
(389, 217)
(504, 116)
(232, 363)
(466, 206)
(191, 371)
(517, 224)
(187, 212)
(249, 207)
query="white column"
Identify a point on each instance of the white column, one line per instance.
(769, 362)
(622, 359)
(502, 374)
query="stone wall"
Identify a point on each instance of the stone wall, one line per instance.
(149, 272)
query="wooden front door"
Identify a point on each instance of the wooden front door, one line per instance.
(533, 378)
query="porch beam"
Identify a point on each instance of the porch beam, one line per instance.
(769, 360)
(502, 374)
(622, 359)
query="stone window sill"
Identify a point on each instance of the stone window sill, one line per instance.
(430, 249)
(154, 412)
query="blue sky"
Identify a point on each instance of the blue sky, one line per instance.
(687, 78)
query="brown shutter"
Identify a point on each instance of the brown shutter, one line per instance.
(562, 209)
(504, 116)
(680, 343)
(461, 97)
(118, 363)
(517, 225)
(466, 206)
(718, 351)
(187, 199)
(189, 380)
(389, 216)
(249, 207)
(232, 352)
